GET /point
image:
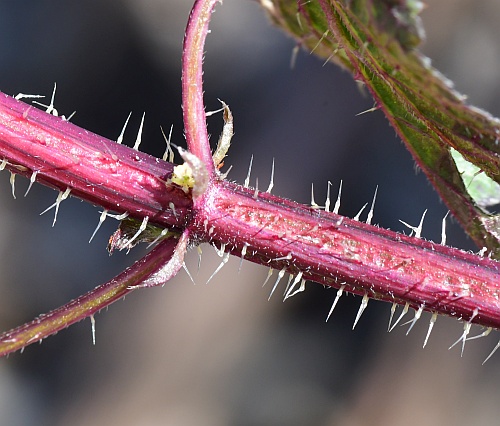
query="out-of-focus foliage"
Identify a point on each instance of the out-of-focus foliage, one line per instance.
(376, 40)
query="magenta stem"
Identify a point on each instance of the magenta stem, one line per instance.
(192, 82)
(334, 250)
(90, 303)
(97, 170)
(265, 229)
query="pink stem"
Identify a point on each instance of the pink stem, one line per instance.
(192, 83)
(334, 250)
(96, 169)
(327, 248)
(91, 302)
(269, 230)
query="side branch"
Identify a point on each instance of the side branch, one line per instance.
(150, 267)
(192, 82)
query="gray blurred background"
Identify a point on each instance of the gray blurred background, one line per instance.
(220, 354)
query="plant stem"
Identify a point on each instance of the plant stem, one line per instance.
(90, 303)
(98, 170)
(334, 250)
(308, 243)
(192, 83)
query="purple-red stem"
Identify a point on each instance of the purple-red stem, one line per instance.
(192, 83)
(334, 250)
(306, 242)
(88, 304)
(325, 247)
(96, 169)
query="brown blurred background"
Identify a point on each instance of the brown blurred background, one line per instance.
(220, 354)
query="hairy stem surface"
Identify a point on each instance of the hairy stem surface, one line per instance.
(90, 303)
(265, 229)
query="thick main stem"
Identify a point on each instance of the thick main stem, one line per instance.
(334, 250)
(59, 154)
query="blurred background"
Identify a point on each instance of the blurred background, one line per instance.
(221, 354)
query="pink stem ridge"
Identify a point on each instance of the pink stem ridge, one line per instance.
(306, 242)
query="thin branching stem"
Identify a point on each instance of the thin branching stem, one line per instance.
(192, 82)
(90, 303)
